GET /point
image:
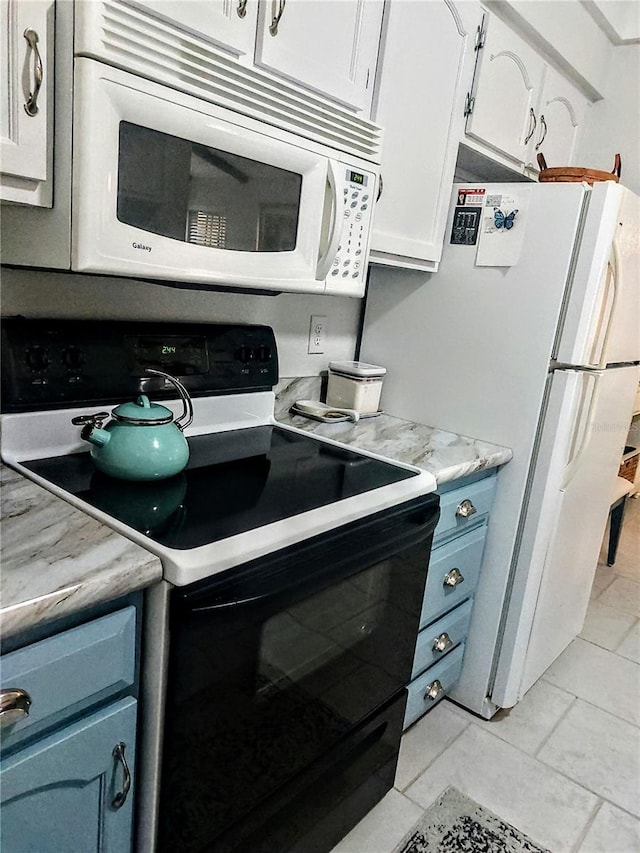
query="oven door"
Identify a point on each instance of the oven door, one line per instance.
(168, 186)
(275, 667)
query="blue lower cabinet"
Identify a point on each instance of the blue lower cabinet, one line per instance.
(433, 685)
(440, 638)
(73, 790)
(454, 571)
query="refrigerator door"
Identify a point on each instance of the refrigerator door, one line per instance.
(602, 321)
(566, 511)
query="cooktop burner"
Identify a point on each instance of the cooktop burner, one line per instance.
(235, 482)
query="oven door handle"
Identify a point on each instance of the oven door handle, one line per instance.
(235, 602)
(289, 584)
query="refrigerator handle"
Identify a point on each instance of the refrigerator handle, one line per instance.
(587, 429)
(611, 287)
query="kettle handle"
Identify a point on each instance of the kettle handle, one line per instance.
(187, 414)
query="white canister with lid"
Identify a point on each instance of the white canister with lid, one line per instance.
(355, 385)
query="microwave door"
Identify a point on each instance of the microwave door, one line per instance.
(179, 189)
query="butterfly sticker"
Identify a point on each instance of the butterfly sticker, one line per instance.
(504, 221)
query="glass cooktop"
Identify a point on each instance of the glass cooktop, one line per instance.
(235, 482)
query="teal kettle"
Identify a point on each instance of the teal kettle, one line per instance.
(143, 441)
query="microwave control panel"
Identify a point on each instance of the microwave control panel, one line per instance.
(349, 268)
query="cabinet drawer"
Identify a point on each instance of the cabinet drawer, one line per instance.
(465, 556)
(445, 673)
(454, 504)
(70, 672)
(453, 626)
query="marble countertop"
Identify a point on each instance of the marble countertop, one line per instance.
(446, 455)
(56, 560)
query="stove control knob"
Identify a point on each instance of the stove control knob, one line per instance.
(263, 353)
(73, 359)
(244, 354)
(37, 359)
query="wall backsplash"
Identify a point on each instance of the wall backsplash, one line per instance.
(49, 294)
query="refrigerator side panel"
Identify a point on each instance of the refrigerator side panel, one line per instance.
(467, 350)
(602, 323)
(572, 484)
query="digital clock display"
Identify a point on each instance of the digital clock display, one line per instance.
(358, 178)
(184, 356)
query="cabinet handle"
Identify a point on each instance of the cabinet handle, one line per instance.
(273, 27)
(31, 105)
(14, 706)
(380, 188)
(465, 508)
(544, 132)
(242, 8)
(119, 757)
(532, 125)
(433, 690)
(442, 643)
(453, 578)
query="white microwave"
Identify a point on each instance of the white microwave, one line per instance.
(167, 186)
(189, 168)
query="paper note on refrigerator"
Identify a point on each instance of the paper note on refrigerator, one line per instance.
(503, 227)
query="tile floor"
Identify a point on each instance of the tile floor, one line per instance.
(564, 765)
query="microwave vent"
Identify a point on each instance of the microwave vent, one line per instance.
(207, 229)
(123, 35)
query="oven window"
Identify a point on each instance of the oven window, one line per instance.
(197, 194)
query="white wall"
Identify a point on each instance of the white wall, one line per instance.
(45, 294)
(613, 124)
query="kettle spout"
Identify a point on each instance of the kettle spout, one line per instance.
(91, 428)
(95, 435)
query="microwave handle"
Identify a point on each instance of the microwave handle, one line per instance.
(335, 230)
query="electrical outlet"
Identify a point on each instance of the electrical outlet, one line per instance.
(317, 333)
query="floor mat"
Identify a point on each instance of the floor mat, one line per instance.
(457, 824)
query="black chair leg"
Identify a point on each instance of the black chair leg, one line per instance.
(615, 528)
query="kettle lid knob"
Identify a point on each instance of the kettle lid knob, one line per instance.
(143, 401)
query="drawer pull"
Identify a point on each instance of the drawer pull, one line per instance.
(14, 706)
(453, 578)
(119, 757)
(31, 104)
(433, 690)
(465, 509)
(442, 643)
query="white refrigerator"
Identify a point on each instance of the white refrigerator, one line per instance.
(528, 336)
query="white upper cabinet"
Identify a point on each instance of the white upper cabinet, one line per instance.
(561, 111)
(507, 86)
(425, 69)
(26, 105)
(331, 47)
(520, 105)
(230, 24)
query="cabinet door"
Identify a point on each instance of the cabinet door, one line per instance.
(331, 47)
(561, 111)
(58, 794)
(423, 75)
(231, 24)
(26, 128)
(507, 86)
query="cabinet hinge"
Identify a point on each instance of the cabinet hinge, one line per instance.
(469, 101)
(481, 34)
